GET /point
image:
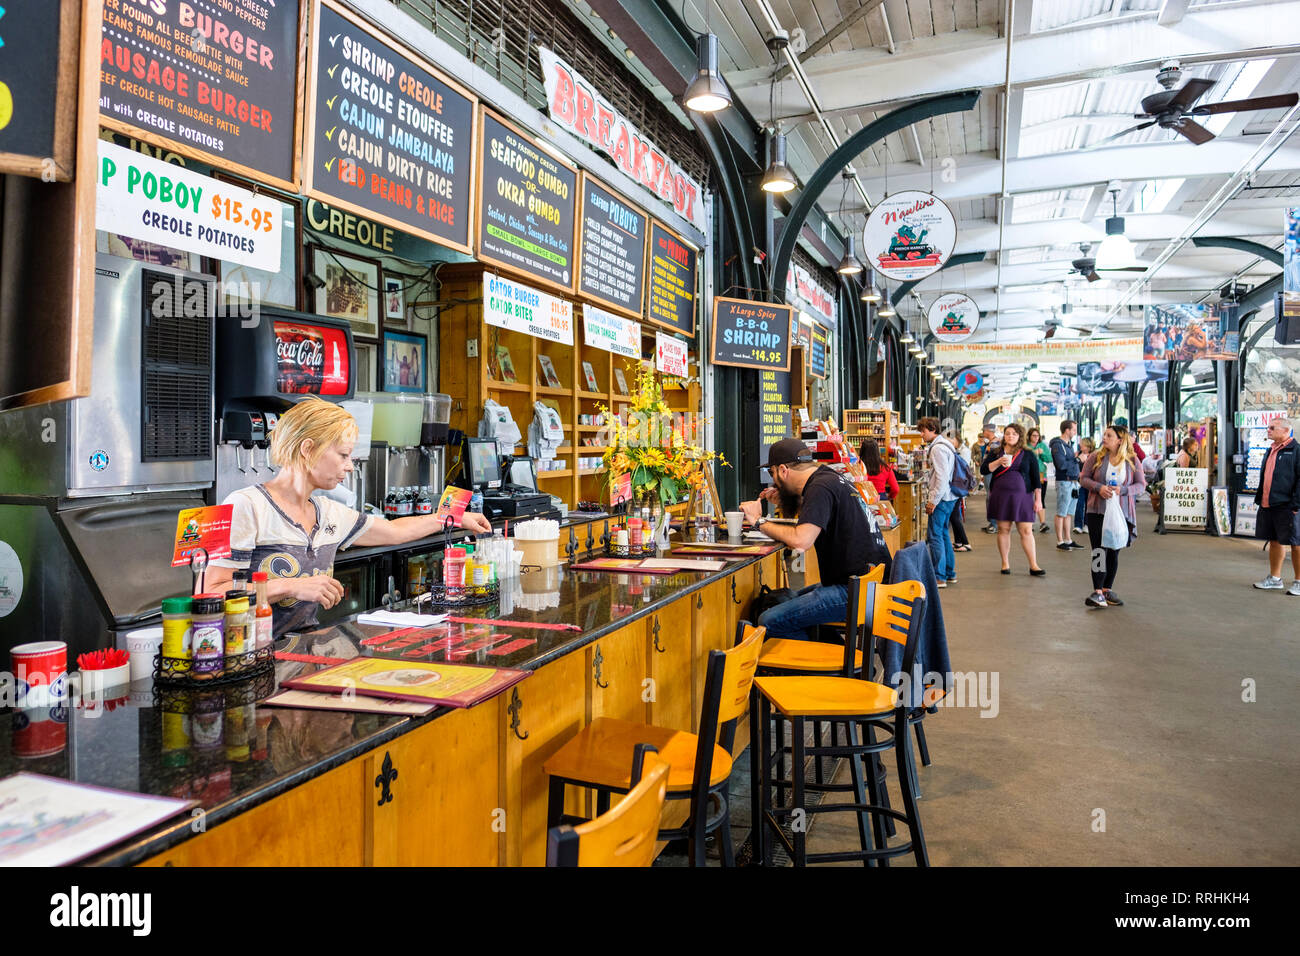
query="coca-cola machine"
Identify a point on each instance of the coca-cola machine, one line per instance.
(265, 364)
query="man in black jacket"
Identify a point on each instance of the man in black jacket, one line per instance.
(1278, 497)
(1067, 485)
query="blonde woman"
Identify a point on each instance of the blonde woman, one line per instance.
(279, 526)
(1111, 472)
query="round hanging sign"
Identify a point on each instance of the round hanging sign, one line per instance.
(909, 235)
(969, 381)
(953, 317)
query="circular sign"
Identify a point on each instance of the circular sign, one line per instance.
(969, 381)
(953, 317)
(909, 235)
(11, 579)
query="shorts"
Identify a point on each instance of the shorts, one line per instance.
(1065, 498)
(1278, 524)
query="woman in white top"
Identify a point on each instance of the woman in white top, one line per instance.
(279, 527)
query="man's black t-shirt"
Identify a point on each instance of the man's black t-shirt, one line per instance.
(847, 545)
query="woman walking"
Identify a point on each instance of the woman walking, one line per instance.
(881, 475)
(1035, 444)
(1015, 494)
(1113, 479)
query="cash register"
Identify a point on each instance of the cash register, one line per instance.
(512, 494)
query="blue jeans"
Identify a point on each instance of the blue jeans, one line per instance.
(798, 618)
(940, 542)
(1081, 509)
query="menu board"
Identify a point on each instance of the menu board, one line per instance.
(672, 280)
(817, 351)
(38, 105)
(774, 407)
(388, 136)
(751, 334)
(214, 80)
(612, 249)
(527, 206)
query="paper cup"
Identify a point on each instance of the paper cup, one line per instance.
(735, 523)
(143, 645)
(40, 671)
(107, 683)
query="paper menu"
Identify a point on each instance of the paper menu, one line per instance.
(548, 369)
(452, 685)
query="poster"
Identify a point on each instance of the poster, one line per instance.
(1291, 260)
(1050, 351)
(953, 317)
(207, 528)
(1253, 433)
(1221, 510)
(604, 330)
(804, 291)
(1101, 378)
(1184, 501)
(611, 261)
(672, 280)
(1185, 333)
(909, 235)
(528, 203)
(670, 355)
(751, 334)
(214, 80)
(510, 305)
(145, 198)
(388, 137)
(969, 381)
(1247, 510)
(774, 407)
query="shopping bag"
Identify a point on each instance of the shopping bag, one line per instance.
(1114, 528)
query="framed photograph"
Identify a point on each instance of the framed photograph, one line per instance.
(350, 290)
(395, 302)
(406, 362)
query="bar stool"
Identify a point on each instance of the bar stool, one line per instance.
(896, 614)
(597, 758)
(626, 835)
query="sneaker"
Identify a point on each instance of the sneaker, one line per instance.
(1095, 600)
(941, 583)
(1075, 546)
(1042, 528)
(1064, 546)
(1295, 588)
(991, 529)
(952, 580)
(1270, 583)
(1113, 599)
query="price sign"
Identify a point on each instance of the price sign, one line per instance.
(510, 305)
(672, 280)
(612, 258)
(604, 330)
(751, 334)
(527, 206)
(145, 198)
(670, 355)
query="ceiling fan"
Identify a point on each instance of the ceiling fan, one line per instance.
(1174, 109)
(1086, 265)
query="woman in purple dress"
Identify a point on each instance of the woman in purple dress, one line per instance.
(1015, 491)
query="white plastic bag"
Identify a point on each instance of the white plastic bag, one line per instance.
(1114, 527)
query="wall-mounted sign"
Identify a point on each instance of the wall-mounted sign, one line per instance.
(1185, 494)
(311, 359)
(604, 330)
(909, 235)
(38, 87)
(672, 280)
(527, 205)
(803, 290)
(751, 334)
(388, 136)
(519, 308)
(969, 381)
(214, 80)
(774, 407)
(953, 317)
(611, 258)
(577, 107)
(817, 337)
(145, 198)
(670, 355)
(1082, 350)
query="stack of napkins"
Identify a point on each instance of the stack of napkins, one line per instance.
(401, 618)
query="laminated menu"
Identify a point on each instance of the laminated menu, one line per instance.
(450, 685)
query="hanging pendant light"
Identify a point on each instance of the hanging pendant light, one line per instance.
(869, 292)
(778, 178)
(1115, 252)
(850, 264)
(886, 306)
(707, 93)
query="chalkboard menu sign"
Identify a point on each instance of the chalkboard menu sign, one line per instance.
(388, 137)
(817, 352)
(612, 249)
(38, 85)
(214, 80)
(774, 407)
(528, 203)
(672, 280)
(751, 334)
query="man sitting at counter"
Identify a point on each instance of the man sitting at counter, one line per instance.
(279, 526)
(834, 519)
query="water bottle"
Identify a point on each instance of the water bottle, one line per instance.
(476, 502)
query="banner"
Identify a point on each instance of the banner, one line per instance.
(604, 330)
(1196, 330)
(909, 236)
(953, 317)
(1184, 501)
(803, 289)
(670, 355)
(1291, 256)
(576, 106)
(969, 381)
(1087, 350)
(509, 305)
(1101, 378)
(145, 198)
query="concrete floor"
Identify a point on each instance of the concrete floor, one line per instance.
(1135, 712)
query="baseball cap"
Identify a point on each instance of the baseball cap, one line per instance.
(788, 451)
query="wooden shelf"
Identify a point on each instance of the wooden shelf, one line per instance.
(592, 428)
(557, 392)
(593, 449)
(591, 471)
(565, 473)
(595, 396)
(495, 386)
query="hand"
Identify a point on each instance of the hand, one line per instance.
(1106, 491)
(769, 494)
(473, 521)
(752, 509)
(1005, 461)
(929, 507)
(318, 588)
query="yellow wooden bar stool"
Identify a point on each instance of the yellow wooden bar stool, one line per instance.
(896, 613)
(598, 757)
(626, 835)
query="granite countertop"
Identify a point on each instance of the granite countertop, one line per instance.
(574, 519)
(226, 750)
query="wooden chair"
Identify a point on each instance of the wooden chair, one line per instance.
(597, 758)
(626, 835)
(861, 705)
